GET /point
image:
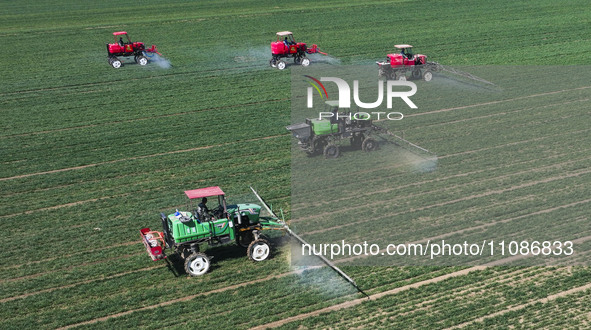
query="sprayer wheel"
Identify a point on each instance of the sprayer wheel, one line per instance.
(427, 75)
(259, 250)
(416, 74)
(197, 264)
(331, 151)
(369, 144)
(281, 65)
(141, 60)
(305, 62)
(115, 62)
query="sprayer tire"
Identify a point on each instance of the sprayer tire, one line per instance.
(281, 65)
(141, 60)
(369, 144)
(331, 151)
(416, 74)
(427, 75)
(259, 250)
(115, 62)
(273, 63)
(197, 264)
(305, 62)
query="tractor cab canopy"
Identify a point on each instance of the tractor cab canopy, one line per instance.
(285, 35)
(204, 192)
(404, 49)
(119, 38)
(219, 210)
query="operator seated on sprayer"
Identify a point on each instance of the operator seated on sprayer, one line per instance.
(205, 214)
(287, 42)
(406, 53)
(202, 211)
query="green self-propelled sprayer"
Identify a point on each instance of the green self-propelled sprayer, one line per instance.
(184, 232)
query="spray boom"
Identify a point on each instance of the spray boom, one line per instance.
(303, 242)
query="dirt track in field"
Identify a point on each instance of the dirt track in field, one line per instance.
(139, 157)
(142, 118)
(497, 102)
(187, 298)
(522, 306)
(68, 255)
(78, 283)
(484, 194)
(376, 296)
(358, 301)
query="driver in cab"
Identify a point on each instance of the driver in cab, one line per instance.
(205, 213)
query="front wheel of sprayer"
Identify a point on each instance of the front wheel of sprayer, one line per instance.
(305, 62)
(197, 264)
(427, 75)
(115, 62)
(281, 65)
(141, 60)
(369, 144)
(259, 250)
(273, 63)
(416, 74)
(331, 151)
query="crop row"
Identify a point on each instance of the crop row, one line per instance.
(452, 302)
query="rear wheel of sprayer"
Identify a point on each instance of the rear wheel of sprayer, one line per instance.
(369, 144)
(281, 65)
(259, 250)
(273, 63)
(197, 264)
(305, 62)
(416, 74)
(427, 75)
(331, 151)
(115, 62)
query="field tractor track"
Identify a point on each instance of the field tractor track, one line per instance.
(133, 120)
(497, 102)
(63, 287)
(140, 157)
(473, 196)
(182, 299)
(545, 300)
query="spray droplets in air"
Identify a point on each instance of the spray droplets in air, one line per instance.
(327, 59)
(160, 61)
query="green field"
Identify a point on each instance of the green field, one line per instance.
(90, 154)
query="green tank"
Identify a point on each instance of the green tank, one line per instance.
(323, 126)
